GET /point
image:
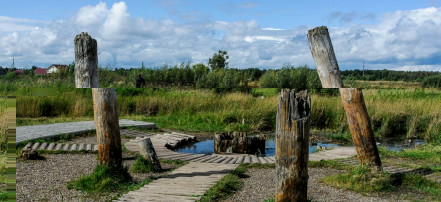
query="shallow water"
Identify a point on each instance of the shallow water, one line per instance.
(398, 144)
(393, 144)
(207, 147)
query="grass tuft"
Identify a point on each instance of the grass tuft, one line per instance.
(422, 184)
(103, 179)
(361, 179)
(142, 165)
(329, 164)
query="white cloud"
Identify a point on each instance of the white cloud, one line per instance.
(402, 40)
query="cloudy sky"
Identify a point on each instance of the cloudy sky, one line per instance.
(393, 34)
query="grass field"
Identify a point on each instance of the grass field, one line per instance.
(393, 112)
(3, 148)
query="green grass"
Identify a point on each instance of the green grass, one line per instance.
(427, 156)
(105, 179)
(341, 138)
(329, 164)
(420, 183)
(231, 182)
(173, 162)
(361, 179)
(227, 185)
(141, 165)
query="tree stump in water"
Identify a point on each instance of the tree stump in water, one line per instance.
(86, 61)
(107, 126)
(147, 151)
(292, 146)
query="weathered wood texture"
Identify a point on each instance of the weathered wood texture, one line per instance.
(107, 126)
(292, 142)
(148, 152)
(360, 126)
(324, 57)
(86, 61)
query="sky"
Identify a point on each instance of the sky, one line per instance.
(394, 34)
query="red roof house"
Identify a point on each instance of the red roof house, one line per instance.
(40, 71)
(19, 71)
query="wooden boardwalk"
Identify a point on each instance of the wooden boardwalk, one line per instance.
(164, 143)
(187, 183)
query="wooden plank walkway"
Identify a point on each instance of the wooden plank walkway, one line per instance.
(187, 183)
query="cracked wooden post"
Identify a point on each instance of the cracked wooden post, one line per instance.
(292, 146)
(147, 151)
(353, 101)
(107, 126)
(360, 126)
(86, 61)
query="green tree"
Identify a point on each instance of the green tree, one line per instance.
(219, 60)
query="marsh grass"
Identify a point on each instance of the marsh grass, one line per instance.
(393, 112)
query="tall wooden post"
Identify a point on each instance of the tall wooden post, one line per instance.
(292, 146)
(324, 57)
(107, 126)
(360, 126)
(353, 101)
(86, 61)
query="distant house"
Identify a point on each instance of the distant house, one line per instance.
(19, 71)
(54, 68)
(40, 71)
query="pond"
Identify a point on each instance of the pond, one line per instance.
(207, 147)
(398, 144)
(393, 144)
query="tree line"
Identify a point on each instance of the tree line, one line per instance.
(217, 74)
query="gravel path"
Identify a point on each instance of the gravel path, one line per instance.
(45, 180)
(260, 185)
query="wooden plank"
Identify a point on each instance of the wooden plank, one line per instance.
(247, 159)
(239, 160)
(58, 147)
(43, 146)
(66, 147)
(36, 145)
(51, 146)
(254, 159)
(74, 147)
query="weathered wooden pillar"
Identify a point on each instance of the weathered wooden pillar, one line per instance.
(147, 151)
(292, 146)
(353, 101)
(360, 126)
(86, 61)
(107, 126)
(324, 57)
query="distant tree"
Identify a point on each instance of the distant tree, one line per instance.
(219, 60)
